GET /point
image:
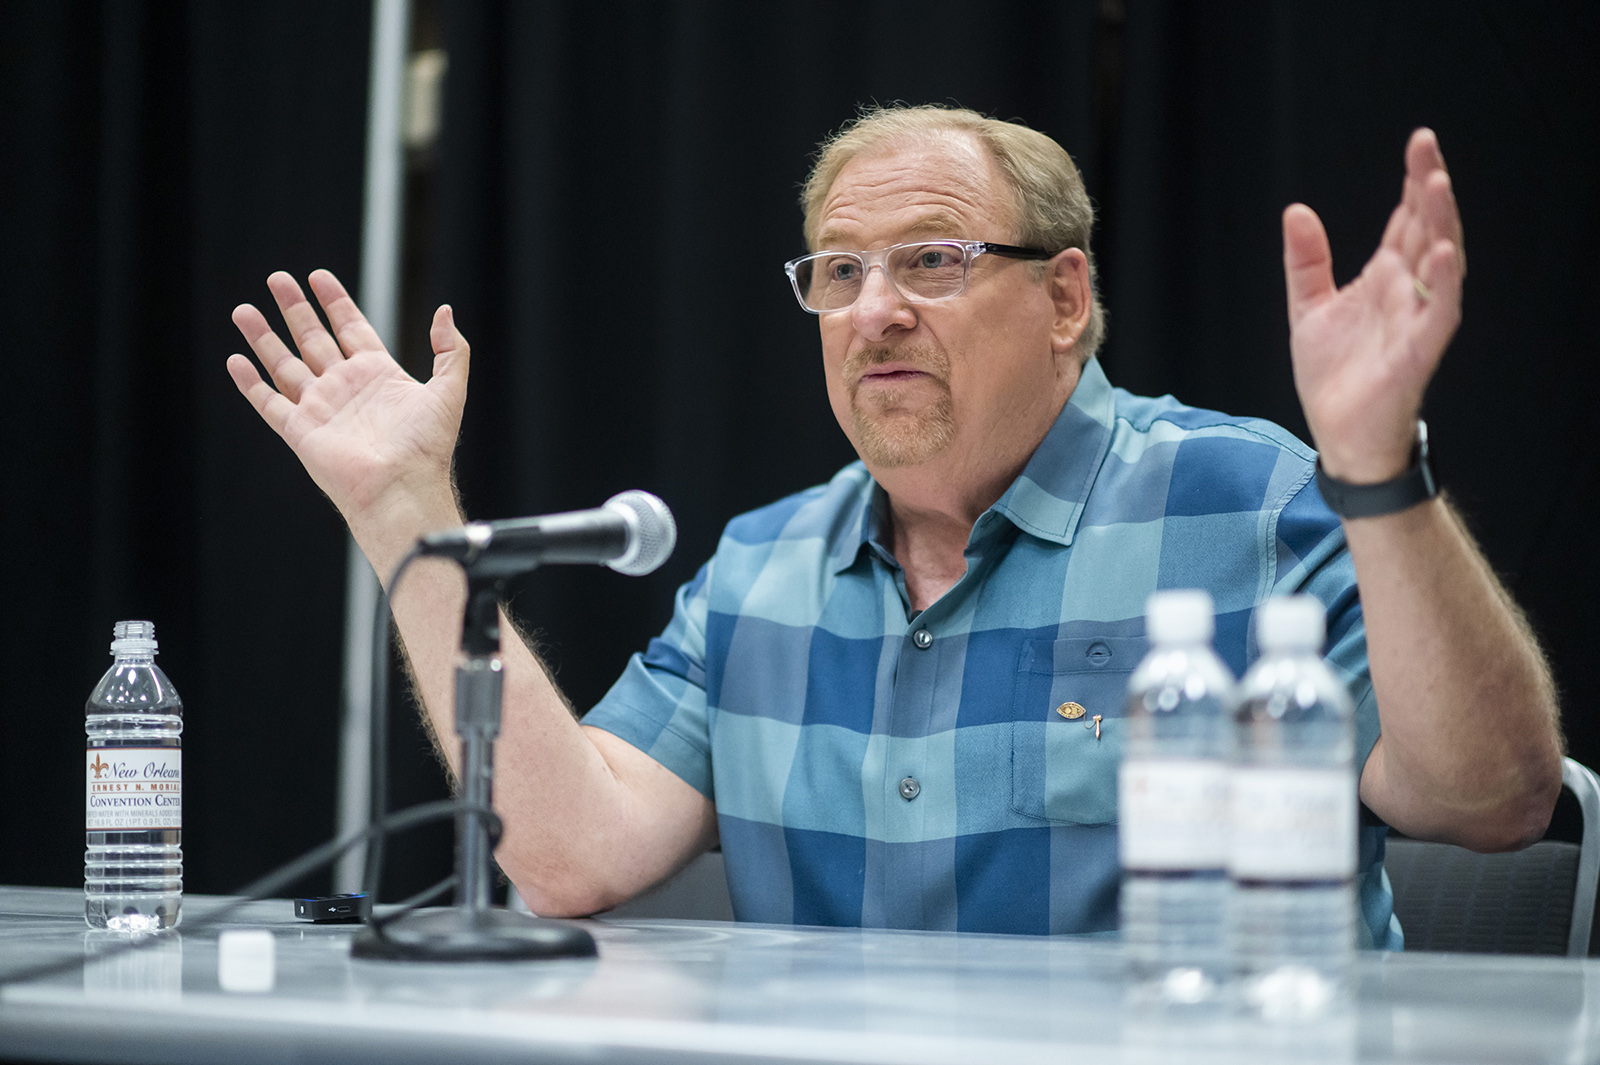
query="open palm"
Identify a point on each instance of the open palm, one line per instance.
(1364, 353)
(360, 424)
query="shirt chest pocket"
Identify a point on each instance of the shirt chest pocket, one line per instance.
(1064, 762)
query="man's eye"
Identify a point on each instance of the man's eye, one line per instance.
(843, 270)
(932, 257)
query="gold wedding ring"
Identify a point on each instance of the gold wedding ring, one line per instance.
(1423, 292)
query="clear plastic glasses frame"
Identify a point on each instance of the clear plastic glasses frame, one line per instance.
(921, 271)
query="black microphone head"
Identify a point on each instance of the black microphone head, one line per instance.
(652, 534)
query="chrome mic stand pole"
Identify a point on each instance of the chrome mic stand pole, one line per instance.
(478, 700)
(478, 684)
(473, 930)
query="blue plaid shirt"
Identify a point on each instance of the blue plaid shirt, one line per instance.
(875, 766)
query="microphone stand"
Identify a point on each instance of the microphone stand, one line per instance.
(473, 930)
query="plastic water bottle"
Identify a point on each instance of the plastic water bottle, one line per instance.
(1292, 860)
(133, 868)
(1173, 807)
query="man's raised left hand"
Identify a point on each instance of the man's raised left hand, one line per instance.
(1363, 354)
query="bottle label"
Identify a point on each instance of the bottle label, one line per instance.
(134, 788)
(1293, 824)
(1173, 814)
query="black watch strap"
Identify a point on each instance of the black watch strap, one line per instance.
(1414, 486)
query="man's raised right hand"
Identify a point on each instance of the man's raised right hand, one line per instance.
(376, 440)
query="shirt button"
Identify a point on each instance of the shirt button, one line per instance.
(923, 639)
(910, 789)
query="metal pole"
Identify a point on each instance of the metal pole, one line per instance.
(478, 691)
(381, 247)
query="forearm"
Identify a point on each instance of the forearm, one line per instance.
(1470, 750)
(587, 824)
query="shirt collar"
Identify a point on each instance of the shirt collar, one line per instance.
(862, 530)
(1047, 498)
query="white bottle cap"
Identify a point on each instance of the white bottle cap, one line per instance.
(1181, 616)
(247, 960)
(133, 638)
(1290, 623)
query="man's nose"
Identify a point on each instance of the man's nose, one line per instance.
(879, 308)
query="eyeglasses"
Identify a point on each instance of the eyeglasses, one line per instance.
(922, 271)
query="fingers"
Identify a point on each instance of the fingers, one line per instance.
(271, 405)
(1307, 260)
(1423, 153)
(351, 328)
(317, 347)
(1442, 218)
(1440, 273)
(1423, 161)
(1427, 211)
(1426, 314)
(287, 372)
(1432, 217)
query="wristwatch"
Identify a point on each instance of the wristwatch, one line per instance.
(1414, 486)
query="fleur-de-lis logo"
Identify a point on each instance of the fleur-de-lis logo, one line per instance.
(99, 767)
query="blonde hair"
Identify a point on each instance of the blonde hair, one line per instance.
(1052, 206)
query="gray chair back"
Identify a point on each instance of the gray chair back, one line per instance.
(1536, 901)
(698, 893)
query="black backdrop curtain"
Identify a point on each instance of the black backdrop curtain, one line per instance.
(158, 161)
(614, 193)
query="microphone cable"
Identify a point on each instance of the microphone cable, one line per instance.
(378, 724)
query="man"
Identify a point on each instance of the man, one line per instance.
(857, 695)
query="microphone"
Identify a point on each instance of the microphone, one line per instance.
(633, 533)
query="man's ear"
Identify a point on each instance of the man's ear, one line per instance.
(1068, 278)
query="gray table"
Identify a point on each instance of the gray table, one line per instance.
(708, 991)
